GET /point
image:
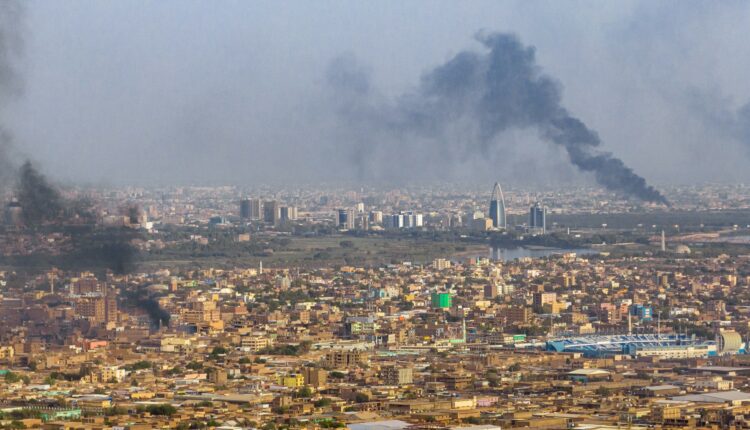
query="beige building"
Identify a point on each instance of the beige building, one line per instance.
(396, 375)
(342, 359)
(315, 377)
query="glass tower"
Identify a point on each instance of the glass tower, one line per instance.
(538, 217)
(497, 207)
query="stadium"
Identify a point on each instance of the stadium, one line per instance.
(635, 345)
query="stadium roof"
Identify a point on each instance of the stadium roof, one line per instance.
(717, 397)
(616, 344)
(380, 425)
(589, 372)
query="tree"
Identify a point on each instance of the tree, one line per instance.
(194, 365)
(304, 347)
(12, 378)
(162, 409)
(361, 398)
(115, 410)
(322, 402)
(140, 365)
(217, 351)
(304, 393)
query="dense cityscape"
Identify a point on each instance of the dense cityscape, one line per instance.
(383, 215)
(648, 329)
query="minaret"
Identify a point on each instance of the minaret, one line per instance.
(551, 328)
(497, 207)
(663, 242)
(658, 324)
(260, 269)
(630, 323)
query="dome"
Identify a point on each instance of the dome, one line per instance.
(682, 249)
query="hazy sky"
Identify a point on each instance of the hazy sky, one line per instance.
(235, 91)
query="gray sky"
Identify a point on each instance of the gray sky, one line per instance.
(234, 91)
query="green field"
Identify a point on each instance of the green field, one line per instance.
(320, 252)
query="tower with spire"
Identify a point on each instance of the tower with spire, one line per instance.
(497, 207)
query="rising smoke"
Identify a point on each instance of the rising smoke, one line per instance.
(470, 101)
(11, 46)
(742, 125)
(39, 199)
(41, 202)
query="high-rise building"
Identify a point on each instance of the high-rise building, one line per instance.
(13, 214)
(288, 213)
(110, 308)
(490, 291)
(394, 221)
(345, 218)
(256, 209)
(497, 207)
(245, 209)
(376, 217)
(251, 209)
(538, 218)
(271, 212)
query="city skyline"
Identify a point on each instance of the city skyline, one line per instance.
(383, 215)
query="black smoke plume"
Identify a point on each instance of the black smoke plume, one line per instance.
(141, 298)
(109, 248)
(40, 201)
(473, 98)
(119, 256)
(11, 47)
(42, 205)
(158, 315)
(134, 214)
(738, 123)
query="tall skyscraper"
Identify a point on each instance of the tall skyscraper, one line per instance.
(250, 209)
(271, 212)
(288, 213)
(256, 209)
(538, 218)
(497, 207)
(345, 218)
(245, 209)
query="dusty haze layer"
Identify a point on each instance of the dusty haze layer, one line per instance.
(191, 92)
